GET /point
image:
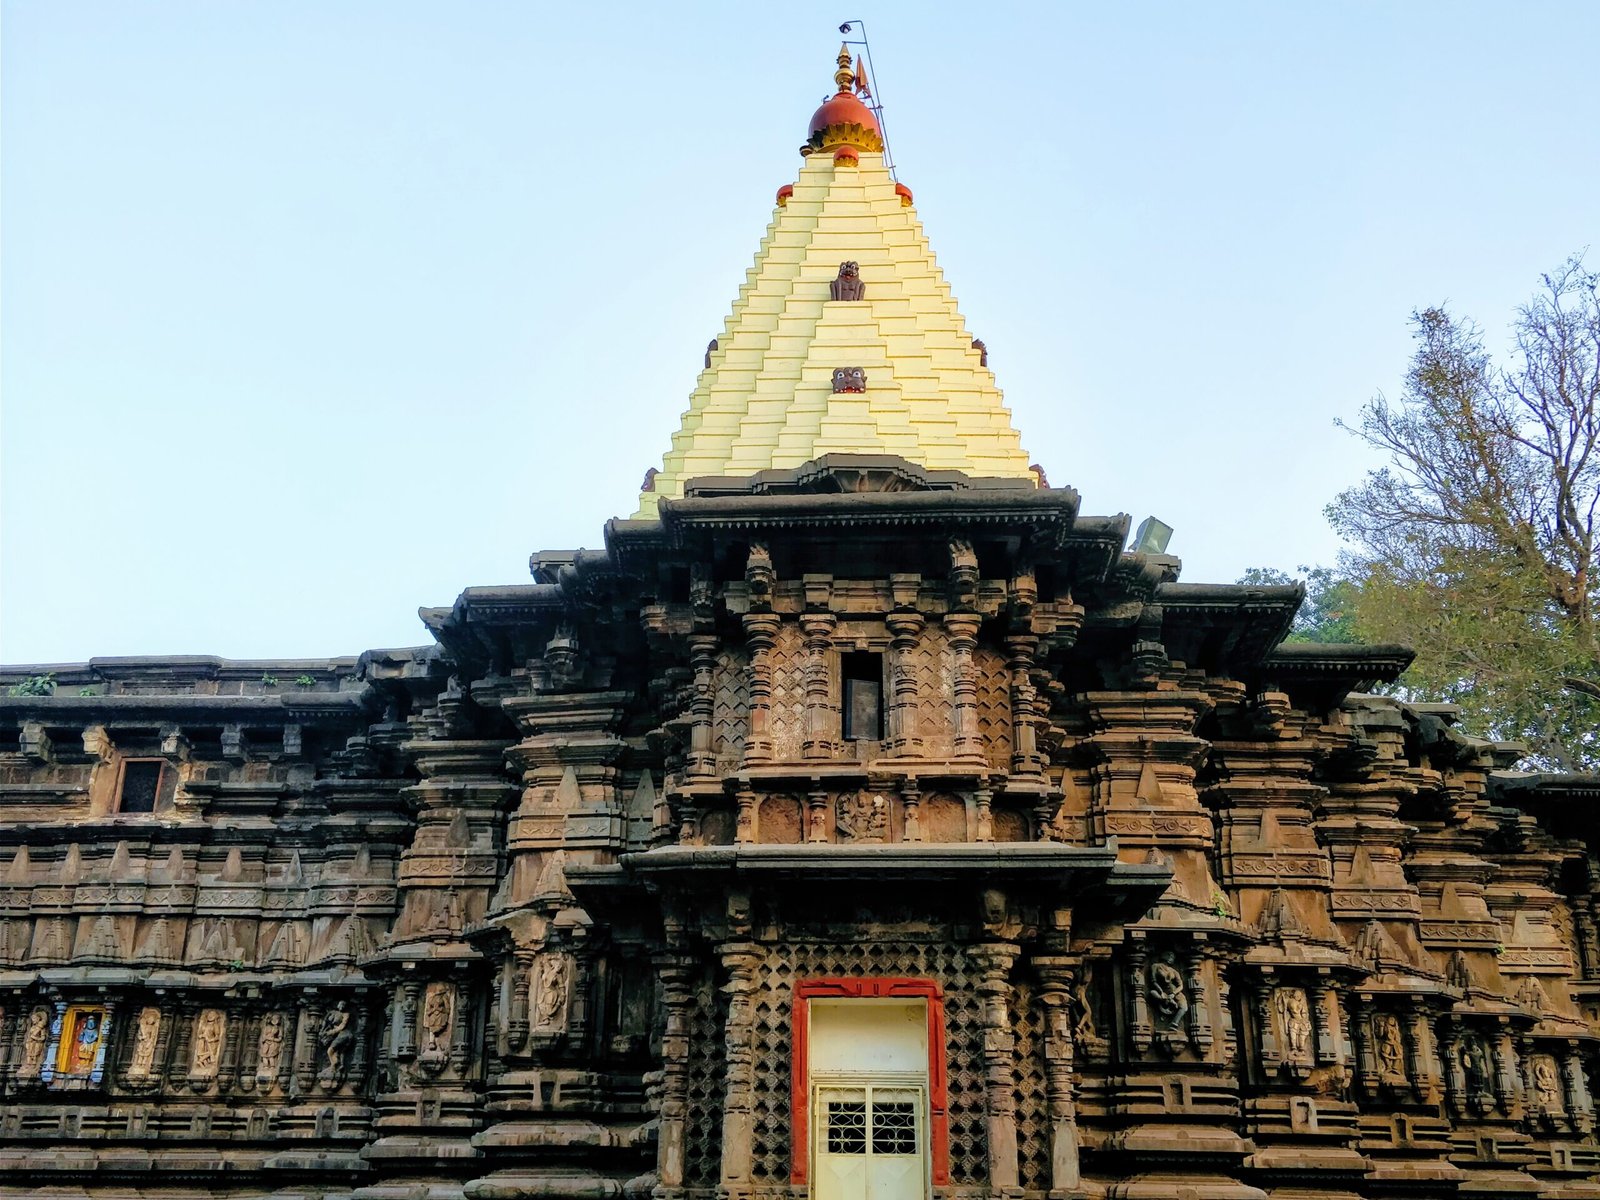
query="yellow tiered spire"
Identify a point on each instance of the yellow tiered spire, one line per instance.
(767, 397)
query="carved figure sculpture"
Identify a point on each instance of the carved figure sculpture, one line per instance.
(269, 1048)
(1083, 1006)
(849, 379)
(1547, 1083)
(208, 1031)
(848, 284)
(555, 974)
(85, 1041)
(1475, 1065)
(34, 1041)
(864, 818)
(1294, 1018)
(336, 1037)
(1391, 1049)
(145, 1031)
(1166, 993)
(438, 1006)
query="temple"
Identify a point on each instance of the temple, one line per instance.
(864, 822)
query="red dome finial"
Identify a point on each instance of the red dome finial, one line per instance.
(844, 124)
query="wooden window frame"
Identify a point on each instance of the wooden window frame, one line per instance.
(807, 990)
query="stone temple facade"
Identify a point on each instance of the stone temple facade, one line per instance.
(864, 821)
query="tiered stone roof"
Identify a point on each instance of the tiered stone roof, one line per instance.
(766, 397)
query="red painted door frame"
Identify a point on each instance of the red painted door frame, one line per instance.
(938, 1089)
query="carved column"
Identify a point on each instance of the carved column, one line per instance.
(1138, 957)
(745, 822)
(740, 959)
(305, 1059)
(821, 720)
(905, 725)
(817, 810)
(677, 988)
(1055, 991)
(183, 1019)
(521, 967)
(229, 1065)
(760, 632)
(408, 999)
(999, 1057)
(1199, 1002)
(1025, 757)
(702, 759)
(911, 803)
(963, 630)
(1579, 1102)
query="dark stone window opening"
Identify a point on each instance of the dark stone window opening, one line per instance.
(862, 676)
(141, 785)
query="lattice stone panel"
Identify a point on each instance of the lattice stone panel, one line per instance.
(788, 713)
(708, 1020)
(730, 718)
(936, 694)
(994, 705)
(1033, 1110)
(949, 965)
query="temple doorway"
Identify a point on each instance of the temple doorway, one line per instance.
(869, 1099)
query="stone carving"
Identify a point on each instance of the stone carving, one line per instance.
(438, 1009)
(86, 1028)
(1391, 1049)
(207, 1056)
(849, 379)
(269, 1048)
(1167, 1000)
(864, 817)
(848, 284)
(34, 1041)
(145, 1030)
(711, 348)
(1547, 1084)
(1294, 1020)
(336, 1038)
(554, 975)
(983, 352)
(1475, 1066)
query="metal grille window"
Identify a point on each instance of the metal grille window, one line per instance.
(894, 1123)
(141, 784)
(847, 1126)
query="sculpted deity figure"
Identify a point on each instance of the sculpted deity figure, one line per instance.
(864, 818)
(34, 1041)
(1294, 1017)
(1166, 993)
(85, 1042)
(438, 1006)
(336, 1037)
(269, 1048)
(208, 1031)
(145, 1031)
(1391, 1049)
(555, 974)
(1547, 1083)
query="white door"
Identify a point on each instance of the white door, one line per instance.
(870, 1140)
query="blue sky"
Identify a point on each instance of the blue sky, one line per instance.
(317, 312)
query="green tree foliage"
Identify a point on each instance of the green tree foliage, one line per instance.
(1476, 543)
(1328, 612)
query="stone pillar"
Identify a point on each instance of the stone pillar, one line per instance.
(702, 760)
(738, 1117)
(821, 719)
(1579, 1103)
(305, 1053)
(1055, 992)
(905, 717)
(1025, 757)
(521, 967)
(677, 987)
(228, 1068)
(999, 1057)
(1141, 1030)
(760, 632)
(963, 630)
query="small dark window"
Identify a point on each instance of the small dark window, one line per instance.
(863, 696)
(141, 784)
